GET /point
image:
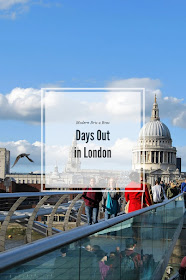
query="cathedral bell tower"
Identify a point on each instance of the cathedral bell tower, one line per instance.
(73, 164)
(155, 111)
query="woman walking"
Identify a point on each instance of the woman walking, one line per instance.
(110, 200)
(136, 193)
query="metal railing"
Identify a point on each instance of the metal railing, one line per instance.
(175, 276)
(41, 247)
(24, 208)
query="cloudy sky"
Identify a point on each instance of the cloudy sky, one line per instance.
(107, 43)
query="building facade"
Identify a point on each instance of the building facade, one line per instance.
(154, 153)
(4, 162)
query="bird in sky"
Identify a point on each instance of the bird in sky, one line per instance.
(21, 156)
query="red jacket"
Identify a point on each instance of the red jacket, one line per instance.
(133, 192)
(91, 197)
(183, 262)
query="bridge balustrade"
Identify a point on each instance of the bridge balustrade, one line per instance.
(25, 208)
(97, 252)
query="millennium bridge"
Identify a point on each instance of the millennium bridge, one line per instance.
(66, 254)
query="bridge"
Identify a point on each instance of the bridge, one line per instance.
(16, 207)
(67, 254)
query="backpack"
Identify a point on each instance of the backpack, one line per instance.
(128, 268)
(128, 263)
(111, 205)
(172, 192)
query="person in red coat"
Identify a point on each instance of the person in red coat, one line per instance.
(137, 193)
(182, 269)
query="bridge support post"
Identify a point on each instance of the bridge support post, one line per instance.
(7, 220)
(78, 221)
(32, 218)
(66, 220)
(51, 219)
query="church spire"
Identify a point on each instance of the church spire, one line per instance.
(155, 111)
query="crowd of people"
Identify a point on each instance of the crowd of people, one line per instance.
(92, 262)
(109, 198)
(137, 195)
(117, 264)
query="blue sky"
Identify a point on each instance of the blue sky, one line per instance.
(79, 41)
(91, 44)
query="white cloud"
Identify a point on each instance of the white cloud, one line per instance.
(121, 155)
(124, 105)
(170, 107)
(147, 83)
(10, 9)
(151, 88)
(23, 146)
(7, 4)
(24, 104)
(21, 104)
(122, 151)
(175, 110)
(55, 154)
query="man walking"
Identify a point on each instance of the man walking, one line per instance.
(183, 186)
(131, 261)
(157, 193)
(183, 189)
(92, 196)
(172, 191)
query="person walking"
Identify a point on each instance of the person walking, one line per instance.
(110, 200)
(183, 186)
(172, 191)
(136, 194)
(183, 189)
(131, 261)
(92, 196)
(182, 269)
(157, 193)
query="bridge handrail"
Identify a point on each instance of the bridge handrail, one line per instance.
(175, 276)
(38, 248)
(31, 194)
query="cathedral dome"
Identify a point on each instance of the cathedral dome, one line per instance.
(154, 153)
(155, 128)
